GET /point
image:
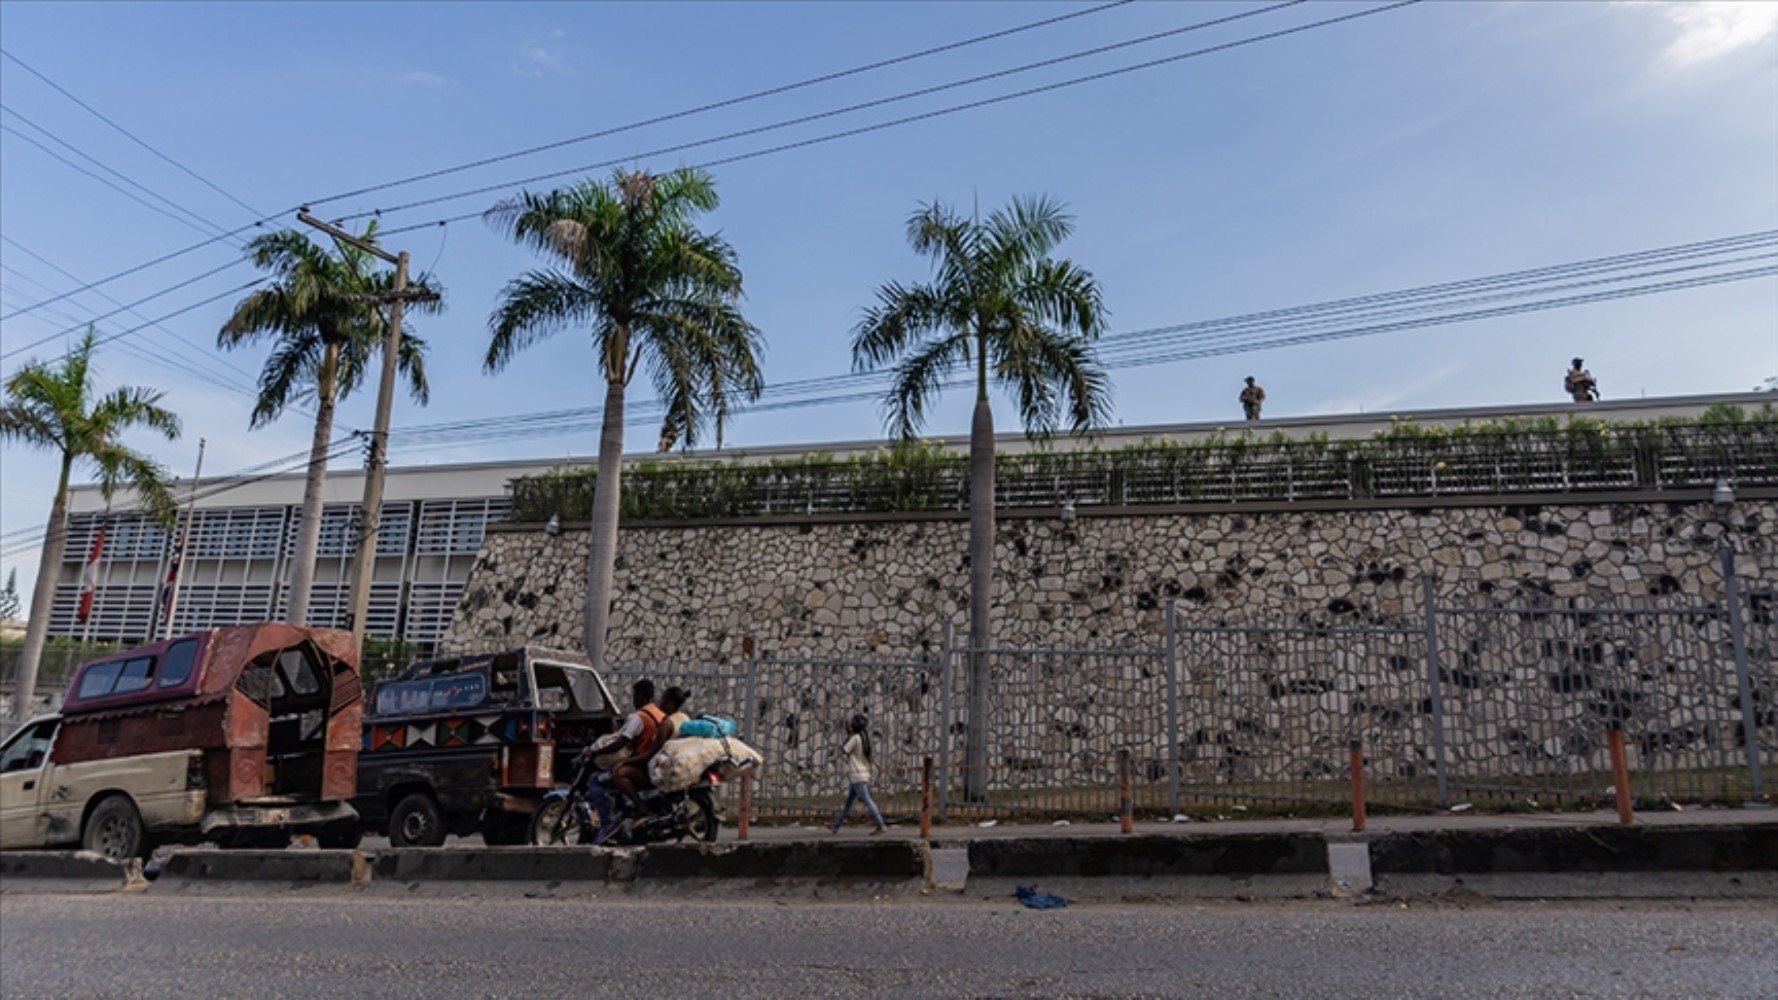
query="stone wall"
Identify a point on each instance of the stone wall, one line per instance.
(690, 593)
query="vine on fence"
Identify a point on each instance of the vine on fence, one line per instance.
(1513, 455)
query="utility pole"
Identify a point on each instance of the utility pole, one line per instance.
(370, 511)
(181, 552)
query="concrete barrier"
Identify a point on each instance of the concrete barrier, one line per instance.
(65, 872)
(1146, 857)
(215, 869)
(879, 861)
(1564, 850)
(549, 866)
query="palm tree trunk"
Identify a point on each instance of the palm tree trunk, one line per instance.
(981, 582)
(308, 530)
(55, 539)
(601, 557)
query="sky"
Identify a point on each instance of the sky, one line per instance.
(1435, 142)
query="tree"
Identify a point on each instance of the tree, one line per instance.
(57, 408)
(326, 325)
(998, 301)
(9, 597)
(652, 291)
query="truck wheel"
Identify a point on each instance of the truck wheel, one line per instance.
(416, 822)
(704, 823)
(114, 829)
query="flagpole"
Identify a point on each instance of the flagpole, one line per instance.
(179, 553)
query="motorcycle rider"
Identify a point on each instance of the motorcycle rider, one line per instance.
(637, 733)
(630, 775)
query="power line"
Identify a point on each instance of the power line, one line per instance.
(96, 113)
(163, 258)
(146, 298)
(726, 103)
(862, 106)
(208, 227)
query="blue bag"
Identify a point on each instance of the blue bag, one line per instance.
(708, 727)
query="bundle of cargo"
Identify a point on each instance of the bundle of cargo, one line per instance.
(684, 761)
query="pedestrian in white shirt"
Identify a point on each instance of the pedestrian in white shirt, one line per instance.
(856, 750)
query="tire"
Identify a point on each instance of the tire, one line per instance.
(114, 829)
(704, 823)
(416, 821)
(345, 838)
(552, 825)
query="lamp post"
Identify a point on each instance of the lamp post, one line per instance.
(1722, 502)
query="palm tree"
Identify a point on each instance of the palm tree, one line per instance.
(323, 315)
(1025, 321)
(58, 408)
(653, 292)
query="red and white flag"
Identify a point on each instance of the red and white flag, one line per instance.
(89, 577)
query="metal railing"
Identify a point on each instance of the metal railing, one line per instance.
(1498, 705)
(1580, 458)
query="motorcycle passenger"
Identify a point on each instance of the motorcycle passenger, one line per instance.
(637, 734)
(630, 775)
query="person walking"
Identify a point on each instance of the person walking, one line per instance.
(1252, 398)
(856, 750)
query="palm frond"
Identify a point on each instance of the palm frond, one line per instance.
(532, 307)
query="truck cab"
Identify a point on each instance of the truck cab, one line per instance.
(241, 735)
(469, 744)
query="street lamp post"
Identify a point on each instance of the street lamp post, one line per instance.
(1722, 501)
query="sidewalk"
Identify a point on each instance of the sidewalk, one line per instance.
(1465, 821)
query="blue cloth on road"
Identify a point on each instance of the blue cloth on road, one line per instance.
(1040, 900)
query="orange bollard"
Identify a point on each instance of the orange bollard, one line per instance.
(925, 798)
(1126, 804)
(1620, 776)
(1357, 765)
(745, 822)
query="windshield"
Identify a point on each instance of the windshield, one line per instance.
(571, 689)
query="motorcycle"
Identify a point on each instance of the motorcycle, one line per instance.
(567, 815)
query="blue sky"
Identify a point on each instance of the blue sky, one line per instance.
(1436, 142)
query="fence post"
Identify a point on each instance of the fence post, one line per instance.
(1731, 595)
(1435, 686)
(1620, 775)
(1357, 765)
(945, 676)
(750, 710)
(926, 797)
(1126, 804)
(1172, 621)
(745, 823)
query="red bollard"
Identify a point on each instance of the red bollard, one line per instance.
(745, 822)
(1357, 765)
(1620, 776)
(925, 798)
(1126, 804)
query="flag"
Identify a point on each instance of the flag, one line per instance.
(89, 577)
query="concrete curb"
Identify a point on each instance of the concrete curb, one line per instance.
(534, 870)
(1563, 850)
(843, 862)
(222, 870)
(1237, 855)
(65, 872)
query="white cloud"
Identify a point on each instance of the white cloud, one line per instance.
(537, 59)
(422, 78)
(1371, 399)
(1707, 30)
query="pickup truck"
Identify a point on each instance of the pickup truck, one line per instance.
(242, 736)
(469, 744)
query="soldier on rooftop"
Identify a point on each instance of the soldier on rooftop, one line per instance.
(1252, 398)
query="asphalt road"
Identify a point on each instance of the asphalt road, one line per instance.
(303, 945)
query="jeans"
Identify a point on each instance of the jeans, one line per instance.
(858, 791)
(596, 791)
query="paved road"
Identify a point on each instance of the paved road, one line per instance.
(297, 945)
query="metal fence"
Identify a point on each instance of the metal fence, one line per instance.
(1502, 705)
(1433, 462)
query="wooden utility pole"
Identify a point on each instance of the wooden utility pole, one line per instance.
(370, 511)
(182, 551)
